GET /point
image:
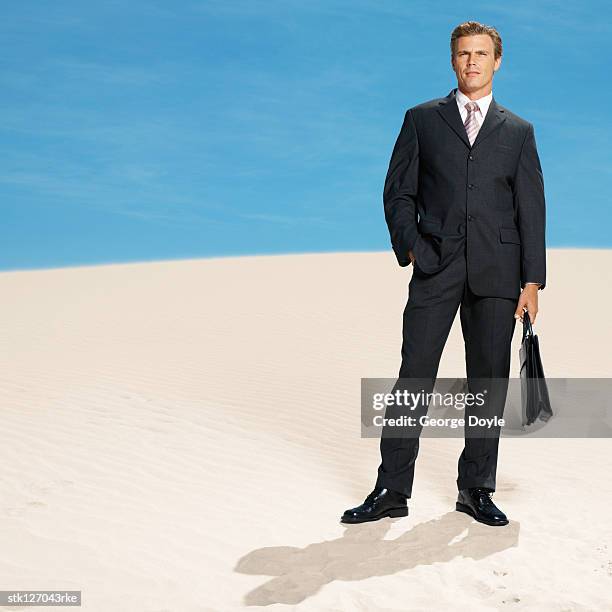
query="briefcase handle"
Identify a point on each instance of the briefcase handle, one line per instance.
(527, 328)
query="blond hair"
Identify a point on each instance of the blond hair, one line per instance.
(471, 28)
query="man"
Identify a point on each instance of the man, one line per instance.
(464, 203)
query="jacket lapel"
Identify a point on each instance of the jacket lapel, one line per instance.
(449, 111)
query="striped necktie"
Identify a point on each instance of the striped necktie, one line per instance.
(471, 125)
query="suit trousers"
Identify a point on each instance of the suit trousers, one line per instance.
(487, 324)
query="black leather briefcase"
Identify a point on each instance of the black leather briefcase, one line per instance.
(534, 392)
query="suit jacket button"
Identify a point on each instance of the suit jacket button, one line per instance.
(471, 158)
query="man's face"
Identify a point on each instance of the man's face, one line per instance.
(474, 63)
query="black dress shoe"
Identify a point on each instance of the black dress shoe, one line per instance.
(378, 504)
(477, 503)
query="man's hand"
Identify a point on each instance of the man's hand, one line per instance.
(529, 300)
(412, 257)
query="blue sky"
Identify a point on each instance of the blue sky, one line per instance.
(137, 131)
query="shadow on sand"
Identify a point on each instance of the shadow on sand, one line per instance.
(362, 552)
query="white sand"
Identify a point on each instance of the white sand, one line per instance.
(185, 436)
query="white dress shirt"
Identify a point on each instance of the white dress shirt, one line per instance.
(483, 105)
(481, 113)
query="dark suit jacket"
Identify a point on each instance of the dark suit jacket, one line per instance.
(442, 194)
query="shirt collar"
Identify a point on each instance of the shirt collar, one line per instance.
(483, 103)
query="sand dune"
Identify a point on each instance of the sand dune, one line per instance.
(185, 435)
